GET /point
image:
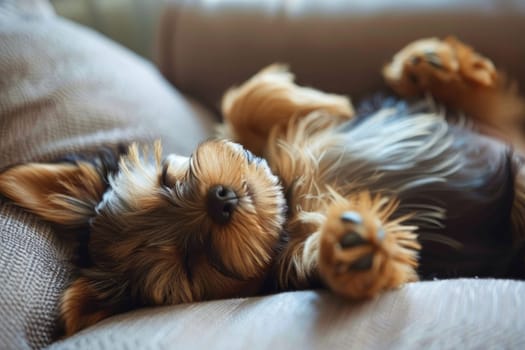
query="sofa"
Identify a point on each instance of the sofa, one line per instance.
(65, 88)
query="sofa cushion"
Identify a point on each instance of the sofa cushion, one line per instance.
(452, 314)
(66, 89)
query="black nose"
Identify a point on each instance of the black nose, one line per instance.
(222, 201)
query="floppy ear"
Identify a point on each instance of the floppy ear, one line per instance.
(62, 193)
(83, 304)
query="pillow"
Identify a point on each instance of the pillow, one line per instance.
(66, 89)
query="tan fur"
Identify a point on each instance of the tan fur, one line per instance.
(298, 221)
(79, 307)
(65, 194)
(270, 98)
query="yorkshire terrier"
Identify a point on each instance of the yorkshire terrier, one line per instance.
(314, 196)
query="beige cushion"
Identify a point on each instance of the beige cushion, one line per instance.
(454, 314)
(65, 88)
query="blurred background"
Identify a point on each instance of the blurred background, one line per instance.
(130, 22)
(335, 45)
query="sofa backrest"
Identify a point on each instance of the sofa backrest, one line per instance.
(340, 46)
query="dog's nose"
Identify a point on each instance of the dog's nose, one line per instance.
(222, 201)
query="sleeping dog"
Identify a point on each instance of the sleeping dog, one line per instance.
(299, 192)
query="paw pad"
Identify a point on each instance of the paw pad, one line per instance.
(351, 239)
(363, 263)
(353, 224)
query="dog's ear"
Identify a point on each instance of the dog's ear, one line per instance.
(62, 193)
(82, 305)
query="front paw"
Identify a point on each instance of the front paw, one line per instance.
(362, 252)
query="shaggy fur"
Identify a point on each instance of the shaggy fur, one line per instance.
(324, 199)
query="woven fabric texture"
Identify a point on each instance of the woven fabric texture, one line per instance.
(451, 314)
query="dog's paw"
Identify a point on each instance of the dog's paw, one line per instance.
(434, 66)
(362, 253)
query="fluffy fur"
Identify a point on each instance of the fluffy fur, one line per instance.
(324, 199)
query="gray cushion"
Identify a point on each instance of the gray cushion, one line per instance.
(34, 270)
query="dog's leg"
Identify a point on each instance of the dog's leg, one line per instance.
(270, 99)
(362, 250)
(462, 79)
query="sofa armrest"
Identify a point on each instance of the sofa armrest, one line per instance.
(205, 46)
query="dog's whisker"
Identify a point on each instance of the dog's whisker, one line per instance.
(438, 238)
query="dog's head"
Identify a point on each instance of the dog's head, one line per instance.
(162, 231)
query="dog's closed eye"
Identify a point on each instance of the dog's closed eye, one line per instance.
(164, 176)
(173, 167)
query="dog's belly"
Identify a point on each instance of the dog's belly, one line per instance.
(460, 185)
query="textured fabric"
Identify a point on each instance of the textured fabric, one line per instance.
(26, 8)
(337, 46)
(454, 314)
(34, 270)
(66, 89)
(129, 22)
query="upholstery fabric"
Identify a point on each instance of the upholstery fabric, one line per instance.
(66, 89)
(453, 314)
(336, 45)
(34, 269)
